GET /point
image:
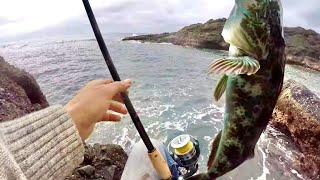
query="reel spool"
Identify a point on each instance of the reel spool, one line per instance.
(185, 150)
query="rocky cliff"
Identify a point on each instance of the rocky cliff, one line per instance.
(207, 35)
(303, 46)
(297, 114)
(19, 92)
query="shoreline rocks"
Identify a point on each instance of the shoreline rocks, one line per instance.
(101, 162)
(303, 46)
(297, 115)
(19, 92)
(207, 35)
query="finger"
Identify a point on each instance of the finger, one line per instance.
(108, 81)
(111, 117)
(118, 98)
(117, 107)
(100, 82)
(119, 95)
(96, 83)
(118, 87)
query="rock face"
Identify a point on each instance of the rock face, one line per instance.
(298, 115)
(303, 46)
(207, 35)
(101, 162)
(19, 92)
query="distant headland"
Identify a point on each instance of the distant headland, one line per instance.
(303, 46)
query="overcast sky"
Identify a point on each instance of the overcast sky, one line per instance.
(18, 17)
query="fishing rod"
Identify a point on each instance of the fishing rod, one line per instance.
(155, 156)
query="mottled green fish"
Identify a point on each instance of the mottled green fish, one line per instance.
(253, 77)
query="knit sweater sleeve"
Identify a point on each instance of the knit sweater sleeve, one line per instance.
(41, 145)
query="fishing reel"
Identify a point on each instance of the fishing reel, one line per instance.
(185, 151)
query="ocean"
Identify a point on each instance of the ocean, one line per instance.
(171, 92)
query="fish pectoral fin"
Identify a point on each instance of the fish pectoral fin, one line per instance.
(235, 65)
(221, 87)
(215, 145)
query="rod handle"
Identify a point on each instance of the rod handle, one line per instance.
(160, 165)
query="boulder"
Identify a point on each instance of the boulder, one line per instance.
(101, 162)
(87, 171)
(297, 114)
(19, 92)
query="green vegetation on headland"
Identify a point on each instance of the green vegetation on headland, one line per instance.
(303, 46)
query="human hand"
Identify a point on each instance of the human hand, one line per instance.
(93, 101)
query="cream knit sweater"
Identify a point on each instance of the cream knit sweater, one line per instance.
(41, 145)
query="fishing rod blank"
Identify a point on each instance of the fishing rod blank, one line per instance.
(157, 160)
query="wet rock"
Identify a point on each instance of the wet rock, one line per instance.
(19, 92)
(303, 46)
(87, 170)
(108, 162)
(112, 170)
(297, 115)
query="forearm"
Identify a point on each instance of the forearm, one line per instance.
(44, 144)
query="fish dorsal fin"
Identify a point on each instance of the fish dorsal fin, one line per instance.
(235, 65)
(220, 88)
(215, 145)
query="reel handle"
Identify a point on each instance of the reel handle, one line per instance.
(160, 165)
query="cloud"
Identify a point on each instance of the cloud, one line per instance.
(171, 15)
(161, 15)
(302, 13)
(138, 16)
(4, 21)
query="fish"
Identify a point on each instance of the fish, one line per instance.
(252, 79)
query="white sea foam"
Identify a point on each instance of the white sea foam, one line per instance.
(133, 41)
(265, 169)
(295, 172)
(165, 43)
